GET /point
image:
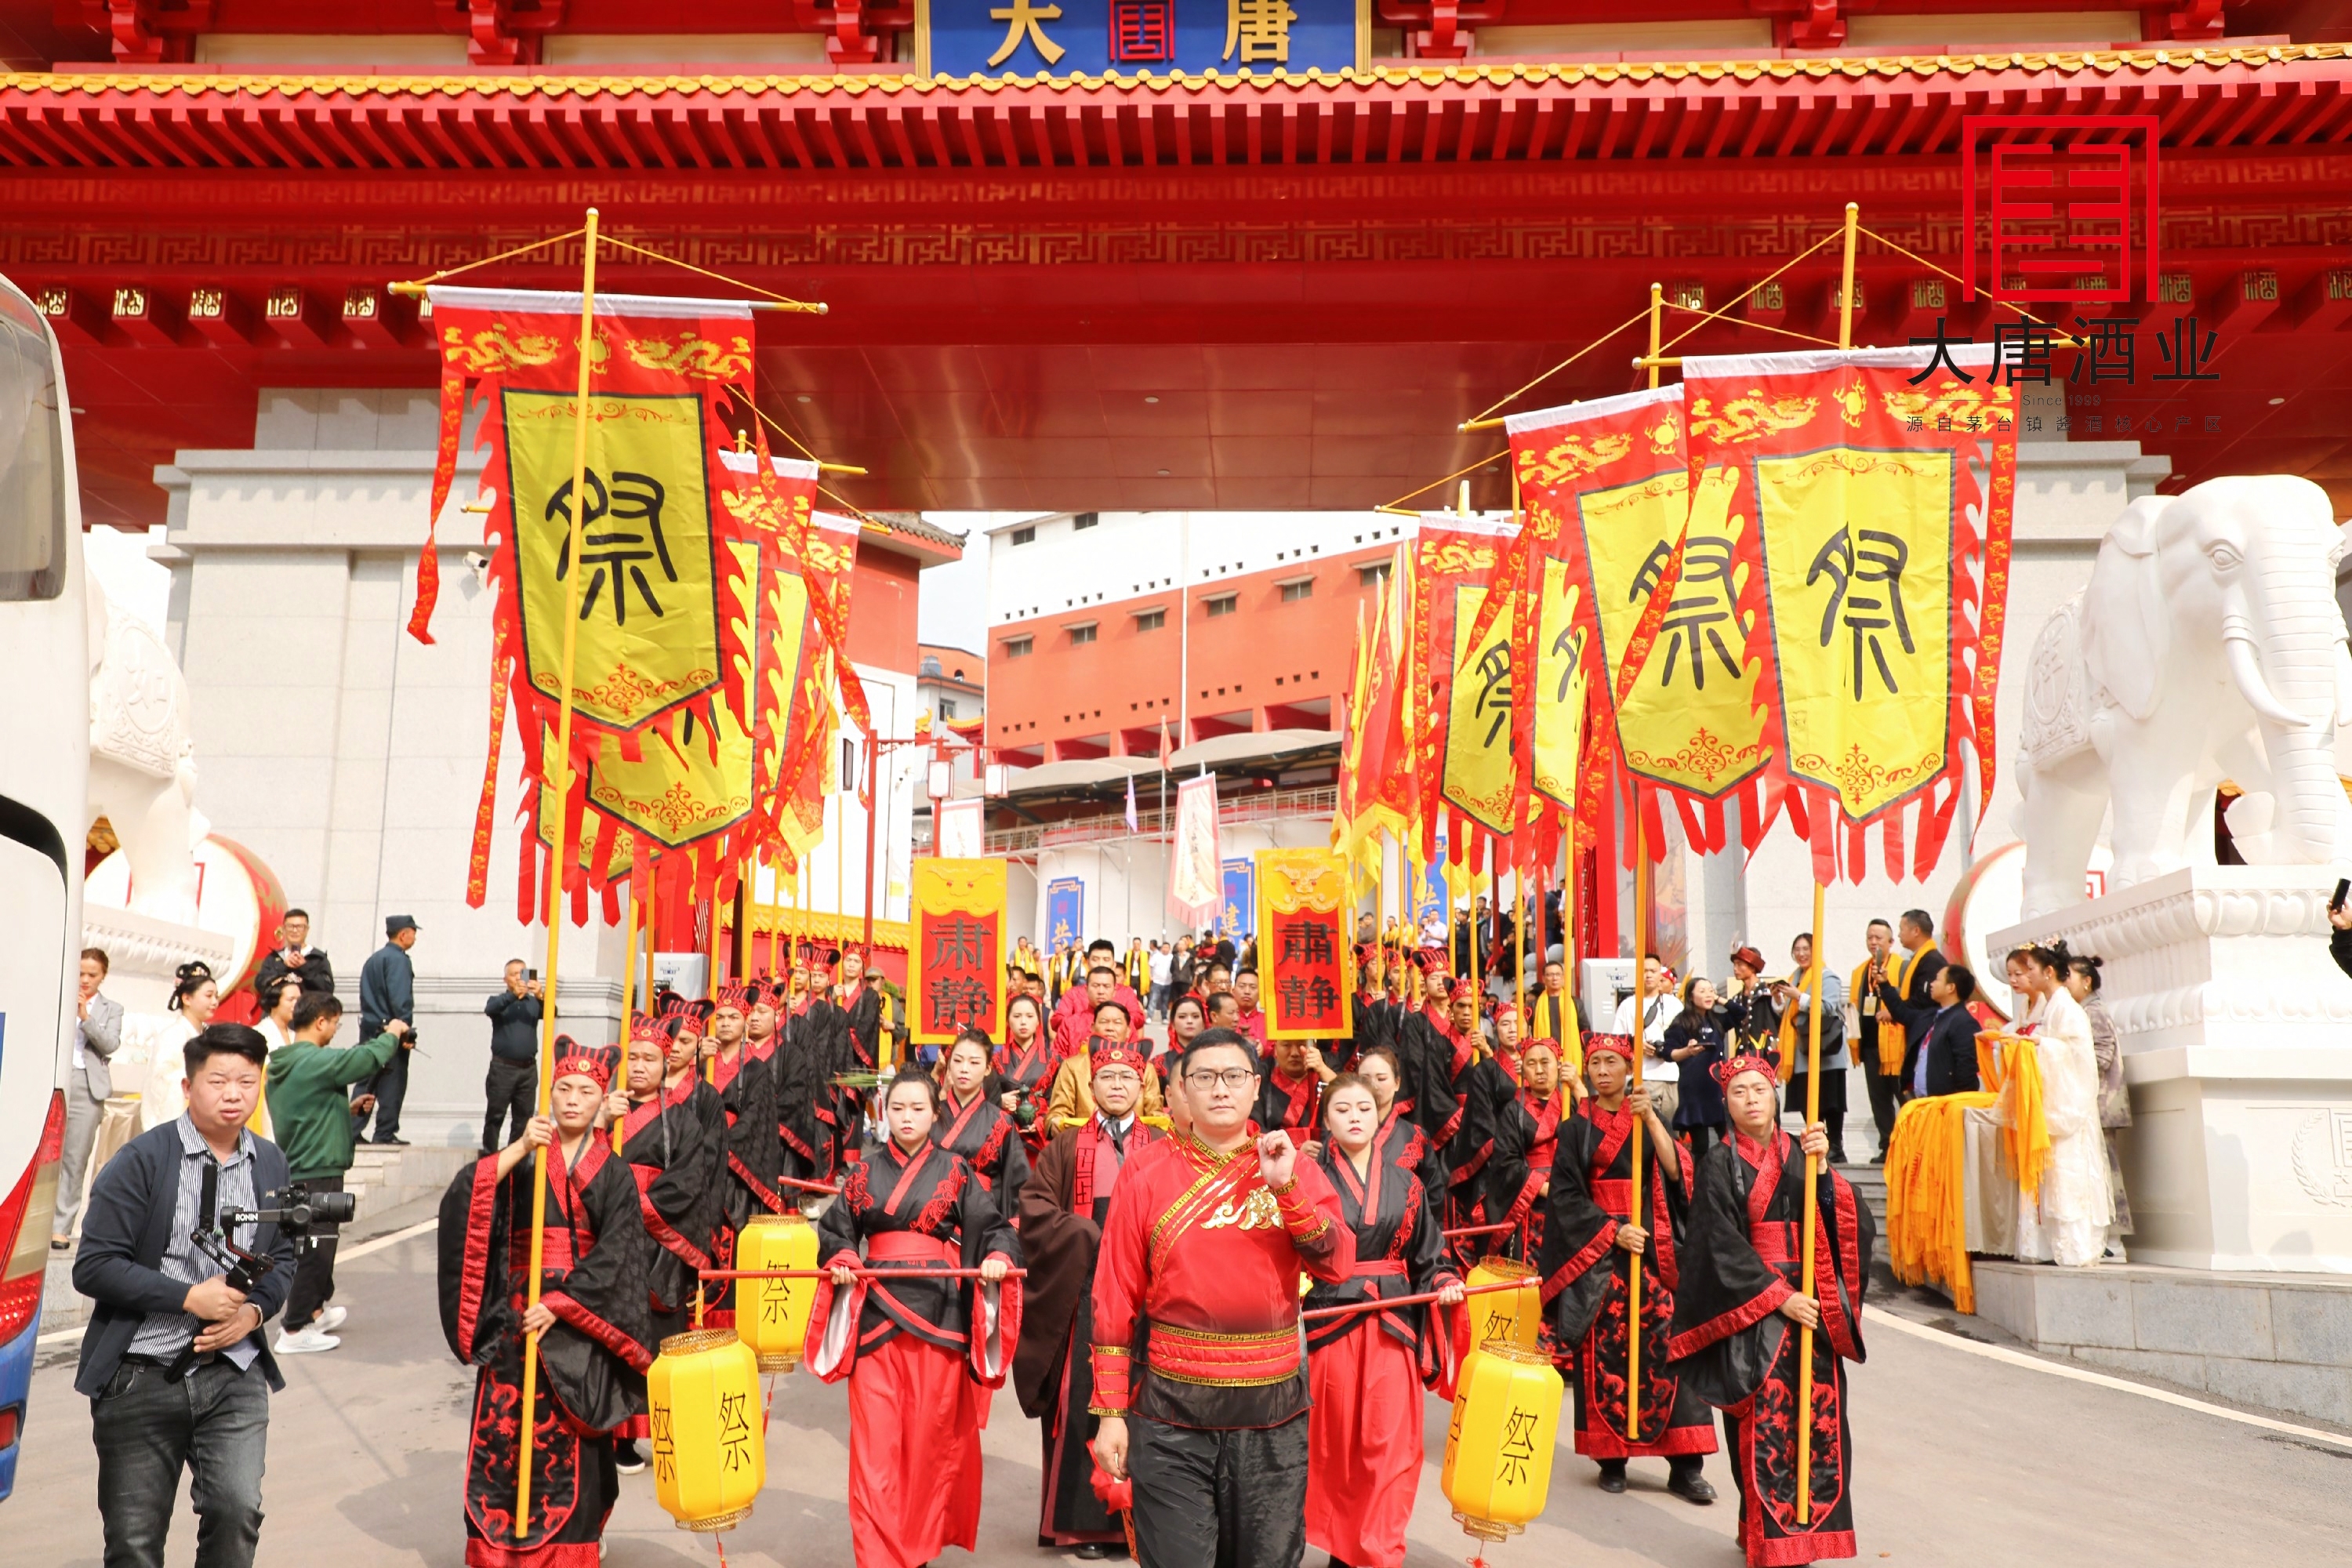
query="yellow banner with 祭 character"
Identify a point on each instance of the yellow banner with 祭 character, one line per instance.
(1689, 720)
(960, 954)
(1868, 473)
(1560, 688)
(648, 621)
(1302, 944)
(1479, 763)
(1856, 552)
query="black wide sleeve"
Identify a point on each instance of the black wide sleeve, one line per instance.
(1726, 1325)
(1580, 1237)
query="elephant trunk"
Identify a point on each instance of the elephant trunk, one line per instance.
(2289, 678)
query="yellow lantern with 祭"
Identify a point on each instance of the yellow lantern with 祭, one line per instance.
(1498, 1446)
(710, 1457)
(1512, 1316)
(773, 1315)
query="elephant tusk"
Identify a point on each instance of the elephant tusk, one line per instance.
(2247, 671)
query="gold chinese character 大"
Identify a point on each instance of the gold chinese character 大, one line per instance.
(1022, 20)
(1260, 29)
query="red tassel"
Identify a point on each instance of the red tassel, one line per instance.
(1934, 824)
(1693, 819)
(1891, 843)
(526, 878)
(1822, 814)
(1791, 799)
(611, 904)
(1857, 850)
(1654, 823)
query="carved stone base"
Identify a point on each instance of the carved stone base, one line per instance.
(2236, 1028)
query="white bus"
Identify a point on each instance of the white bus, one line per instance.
(44, 787)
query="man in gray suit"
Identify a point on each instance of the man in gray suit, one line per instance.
(87, 1084)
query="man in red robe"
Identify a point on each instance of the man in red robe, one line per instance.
(1074, 1016)
(1197, 1280)
(1252, 1020)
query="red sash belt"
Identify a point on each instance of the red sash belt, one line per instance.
(1775, 1241)
(1539, 1158)
(1377, 1267)
(1224, 1361)
(909, 1247)
(1616, 1196)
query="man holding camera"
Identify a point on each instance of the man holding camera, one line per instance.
(174, 1360)
(308, 1080)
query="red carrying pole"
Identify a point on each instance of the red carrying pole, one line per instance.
(1321, 1312)
(1476, 1230)
(861, 1273)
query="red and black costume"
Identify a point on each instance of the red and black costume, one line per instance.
(917, 1353)
(1196, 1343)
(1062, 1213)
(1733, 1347)
(675, 1146)
(1586, 1283)
(862, 1016)
(812, 1046)
(1293, 1104)
(1527, 1138)
(592, 1363)
(989, 1140)
(1366, 1370)
(1030, 1072)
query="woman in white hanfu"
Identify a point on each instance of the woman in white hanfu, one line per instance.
(2069, 1225)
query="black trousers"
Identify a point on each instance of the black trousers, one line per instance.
(1234, 1497)
(1832, 1106)
(390, 1087)
(1885, 1099)
(314, 1265)
(512, 1089)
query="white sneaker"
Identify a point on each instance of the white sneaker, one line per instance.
(328, 1319)
(309, 1338)
(628, 1459)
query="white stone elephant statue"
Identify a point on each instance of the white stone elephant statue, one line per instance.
(143, 772)
(2207, 646)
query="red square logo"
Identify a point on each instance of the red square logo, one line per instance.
(2059, 208)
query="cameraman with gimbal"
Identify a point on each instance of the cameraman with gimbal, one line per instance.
(186, 1260)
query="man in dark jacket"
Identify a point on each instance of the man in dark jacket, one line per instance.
(387, 991)
(292, 959)
(175, 1363)
(512, 1086)
(1905, 993)
(1946, 1061)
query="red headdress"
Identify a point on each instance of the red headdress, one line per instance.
(1747, 1061)
(737, 996)
(1542, 1043)
(1617, 1044)
(571, 1061)
(1429, 958)
(650, 1026)
(1115, 1054)
(1505, 1010)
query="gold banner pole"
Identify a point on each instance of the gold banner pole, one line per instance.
(628, 998)
(1814, 1039)
(1640, 975)
(559, 863)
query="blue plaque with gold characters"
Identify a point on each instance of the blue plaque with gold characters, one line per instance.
(1091, 38)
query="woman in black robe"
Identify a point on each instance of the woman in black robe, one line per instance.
(1366, 1370)
(597, 1336)
(1741, 1307)
(919, 1355)
(974, 1124)
(1025, 1065)
(1527, 1136)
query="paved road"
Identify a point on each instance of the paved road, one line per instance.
(1964, 1461)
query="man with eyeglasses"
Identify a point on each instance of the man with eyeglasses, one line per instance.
(1202, 1251)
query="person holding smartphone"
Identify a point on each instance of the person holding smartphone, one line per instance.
(512, 1086)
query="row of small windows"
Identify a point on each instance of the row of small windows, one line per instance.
(1216, 604)
(1079, 523)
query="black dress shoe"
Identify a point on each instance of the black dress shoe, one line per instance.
(1092, 1551)
(1691, 1487)
(1613, 1478)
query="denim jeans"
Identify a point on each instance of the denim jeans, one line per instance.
(148, 1427)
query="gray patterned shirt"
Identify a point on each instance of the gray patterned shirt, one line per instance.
(164, 1335)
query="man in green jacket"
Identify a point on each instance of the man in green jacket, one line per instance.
(311, 1111)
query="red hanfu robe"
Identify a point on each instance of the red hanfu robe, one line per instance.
(591, 1364)
(675, 1146)
(1198, 1279)
(983, 1134)
(1587, 1285)
(917, 1353)
(1062, 1208)
(1733, 1347)
(1527, 1138)
(1366, 1370)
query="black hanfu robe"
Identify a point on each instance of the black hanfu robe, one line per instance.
(1527, 1139)
(1377, 1020)
(1031, 1072)
(1294, 1105)
(592, 1363)
(862, 1016)
(808, 1106)
(1587, 1285)
(920, 1354)
(1427, 1051)
(675, 1146)
(1734, 1348)
(1062, 1211)
(1486, 1090)
(988, 1139)
(747, 1097)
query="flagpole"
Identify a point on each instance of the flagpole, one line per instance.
(1640, 981)
(628, 989)
(565, 849)
(1813, 1033)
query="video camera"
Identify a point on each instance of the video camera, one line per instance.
(292, 1208)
